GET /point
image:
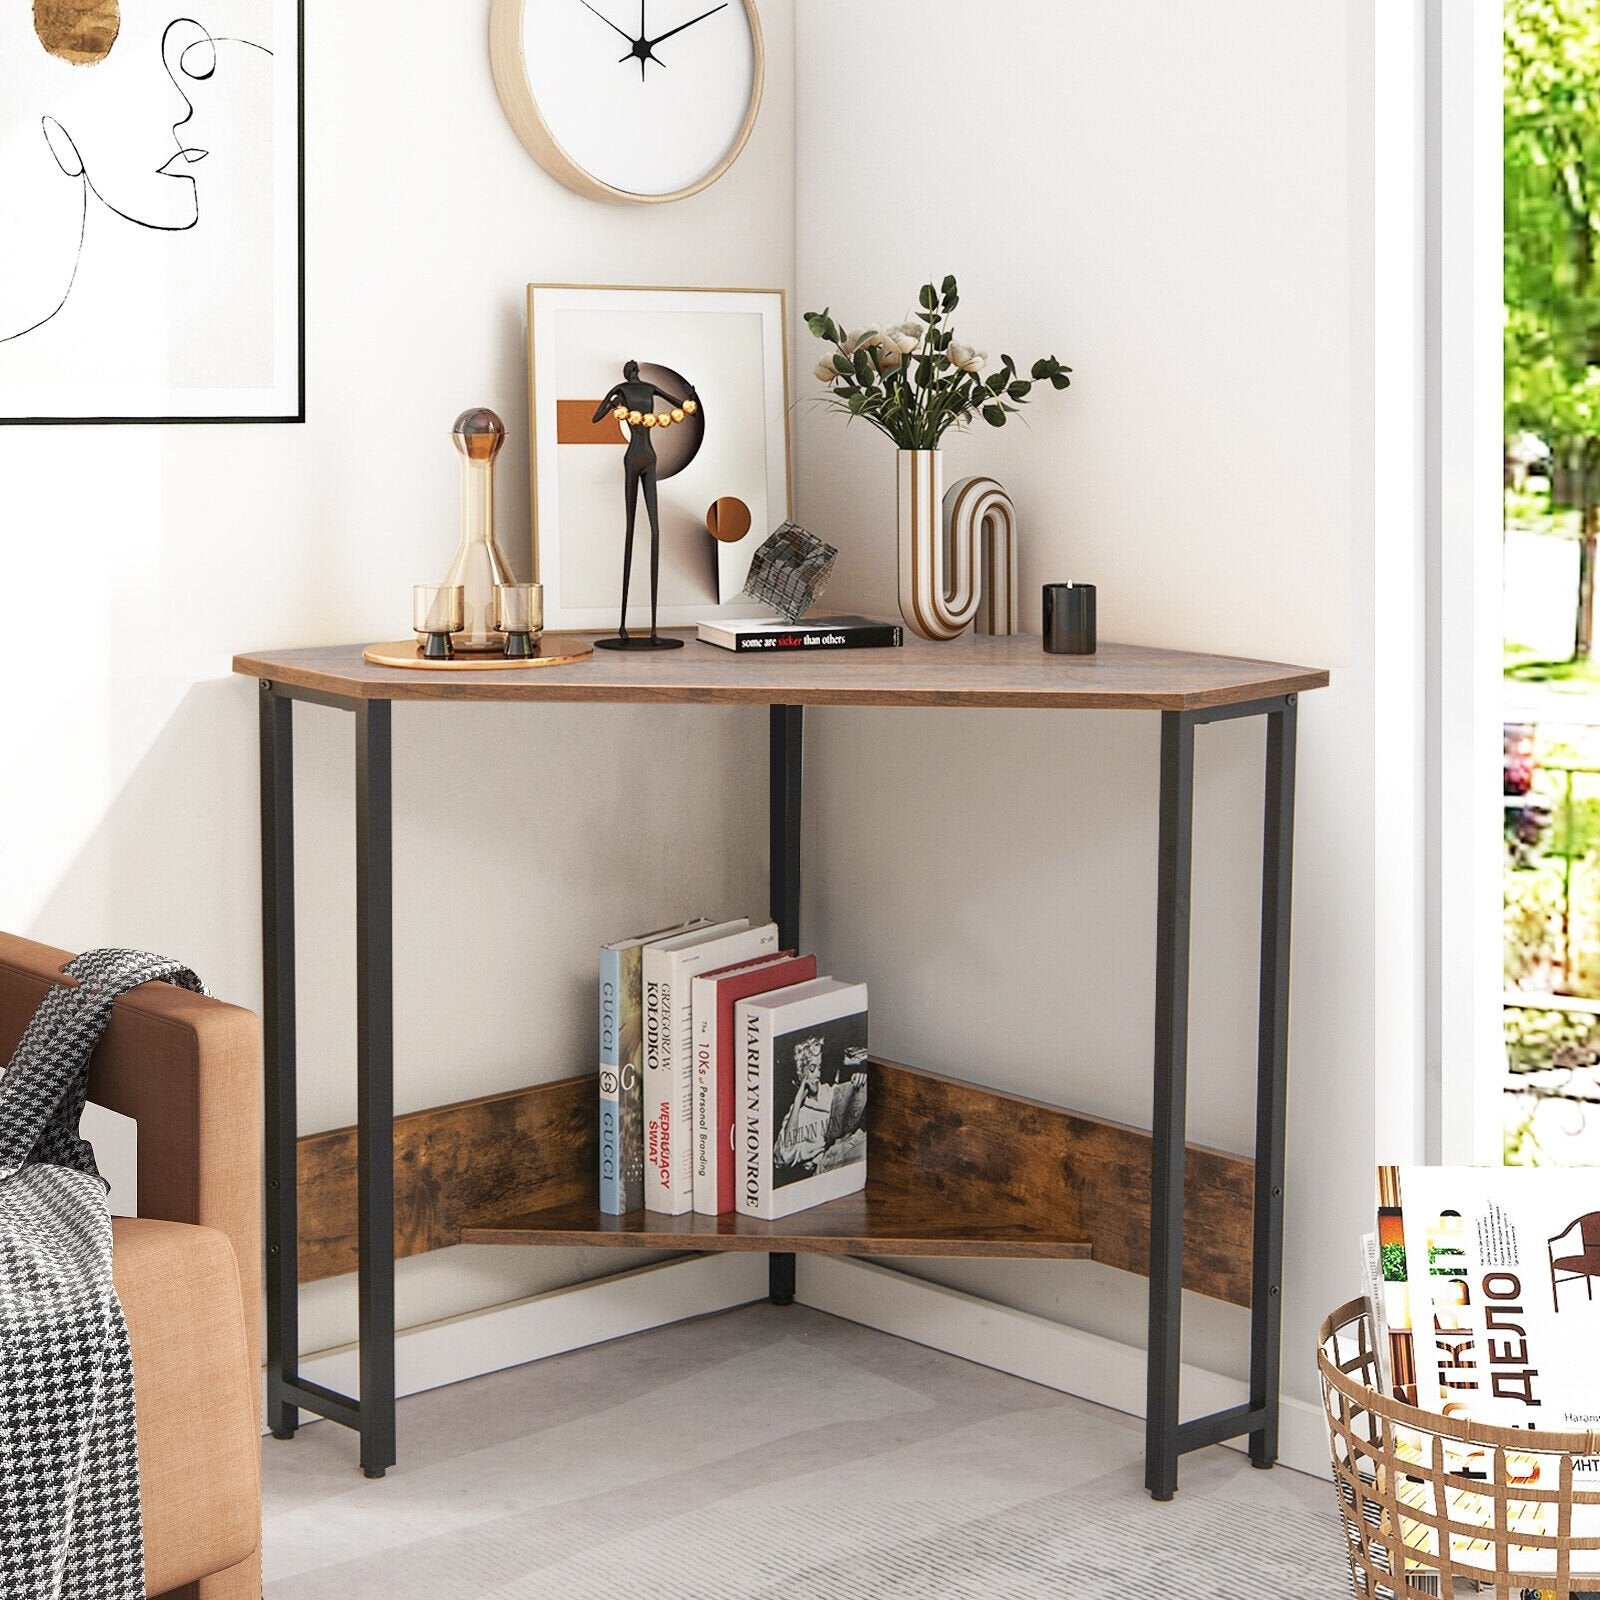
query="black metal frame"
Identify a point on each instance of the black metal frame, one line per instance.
(299, 413)
(373, 1415)
(287, 1392)
(1166, 1437)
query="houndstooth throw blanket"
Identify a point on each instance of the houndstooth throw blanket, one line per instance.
(69, 1471)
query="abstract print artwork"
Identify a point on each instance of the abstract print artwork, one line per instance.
(702, 484)
(150, 210)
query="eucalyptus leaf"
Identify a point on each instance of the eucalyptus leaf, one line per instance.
(995, 416)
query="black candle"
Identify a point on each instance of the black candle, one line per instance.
(1069, 619)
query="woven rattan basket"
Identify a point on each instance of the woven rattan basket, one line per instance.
(1494, 1507)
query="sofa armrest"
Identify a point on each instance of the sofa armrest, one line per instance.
(186, 1068)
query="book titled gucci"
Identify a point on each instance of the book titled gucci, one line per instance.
(621, 1063)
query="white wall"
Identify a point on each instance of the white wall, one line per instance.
(137, 561)
(1176, 201)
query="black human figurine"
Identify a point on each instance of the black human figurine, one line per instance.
(633, 400)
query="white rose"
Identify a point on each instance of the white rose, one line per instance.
(903, 339)
(826, 371)
(862, 339)
(966, 358)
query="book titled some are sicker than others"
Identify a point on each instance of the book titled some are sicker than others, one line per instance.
(814, 633)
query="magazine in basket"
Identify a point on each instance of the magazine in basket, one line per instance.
(1501, 1266)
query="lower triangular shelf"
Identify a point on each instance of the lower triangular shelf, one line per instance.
(876, 1222)
(954, 1169)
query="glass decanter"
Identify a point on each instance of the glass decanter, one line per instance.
(479, 566)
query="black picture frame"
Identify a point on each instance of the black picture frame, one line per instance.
(298, 415)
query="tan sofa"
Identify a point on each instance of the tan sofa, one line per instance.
(187, 1070)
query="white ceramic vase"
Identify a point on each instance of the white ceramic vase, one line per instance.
(954, 550)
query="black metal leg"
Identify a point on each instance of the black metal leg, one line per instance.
(1272, 1080)
(375, 1083)
(780, 1278)
(1168, 1130)
(786, 749)
(278, 1038)
(783, 792)
(1166, 1437)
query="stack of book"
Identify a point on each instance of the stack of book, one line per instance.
(732, 1077)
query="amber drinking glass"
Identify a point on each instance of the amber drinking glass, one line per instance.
(519, 615)
(437, 611)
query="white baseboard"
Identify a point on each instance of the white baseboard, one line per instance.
(480, 1342)
(1035, 1348)
(1044, 1352)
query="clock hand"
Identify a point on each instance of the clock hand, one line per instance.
(644, 39)
(690, 23)
(605, 19)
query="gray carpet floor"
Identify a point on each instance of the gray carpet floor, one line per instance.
(769, 1454)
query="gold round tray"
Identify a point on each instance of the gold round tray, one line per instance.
(558, 649)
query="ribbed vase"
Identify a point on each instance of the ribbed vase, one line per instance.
(929, 605)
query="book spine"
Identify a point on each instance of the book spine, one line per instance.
(1396, 1288)
(703, 1007)
(659, 1107)
(630, 1088)
(611, 1196)
(889, 636)
(753, 1041)
(1372, 1268)
(680, 1066)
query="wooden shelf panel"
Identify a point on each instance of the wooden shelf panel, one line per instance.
(954, 1170)
(877, 1222)
(970, 671)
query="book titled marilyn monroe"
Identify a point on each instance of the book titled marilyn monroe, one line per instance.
(800, 1123)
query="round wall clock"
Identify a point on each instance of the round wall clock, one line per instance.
(629, 100)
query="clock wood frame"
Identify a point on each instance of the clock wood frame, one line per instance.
(527, 121)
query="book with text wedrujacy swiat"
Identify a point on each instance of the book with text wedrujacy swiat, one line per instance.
(812, 633)
(713, 997)
(800, 1134)
(621, 1064)
(669, 966)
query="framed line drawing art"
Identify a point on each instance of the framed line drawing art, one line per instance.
(152, 178)
(721, 462)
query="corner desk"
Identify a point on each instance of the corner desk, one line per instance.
(956, 1169)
